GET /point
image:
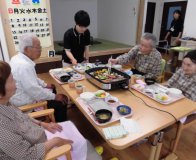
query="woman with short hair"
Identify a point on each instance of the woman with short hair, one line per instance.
(24, 138)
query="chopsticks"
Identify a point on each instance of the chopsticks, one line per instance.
(109, 66)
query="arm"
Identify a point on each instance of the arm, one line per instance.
(17, 147)
(86, 53)
(56, 141)
(71, 57)
(87, 43)
(155, 70)
(32, 87)
(125, 58)
(41, 82)
(67, 47)
(174, 78)
(169, 31)
(167, 35)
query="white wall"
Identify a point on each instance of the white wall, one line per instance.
(157, 17)
(190, 23)
(116, 20)
(63, 11)
(3, 50)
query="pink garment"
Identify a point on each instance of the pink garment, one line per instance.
(79, 147)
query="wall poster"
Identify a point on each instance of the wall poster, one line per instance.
(29, 16)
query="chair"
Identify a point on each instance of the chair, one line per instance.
(161, 78)
(55, 152)
(181, 126)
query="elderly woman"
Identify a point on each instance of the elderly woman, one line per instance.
(24, 138)
(185, 80)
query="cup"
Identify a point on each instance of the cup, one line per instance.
(71, 83)
(138, 77)
(79, 88)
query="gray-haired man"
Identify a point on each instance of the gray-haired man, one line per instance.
(147, 60)
(29, 88)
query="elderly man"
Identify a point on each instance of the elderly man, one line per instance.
(147, 60)
(31, 89)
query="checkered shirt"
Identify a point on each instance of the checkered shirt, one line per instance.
(20, 137)
(148, 64)
(187, 84)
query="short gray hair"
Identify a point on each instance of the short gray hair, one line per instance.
(26, 40)
(152, 37)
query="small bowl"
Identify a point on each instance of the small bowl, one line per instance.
(65, 78)
(103, 115)
(87, 96)
(117, 66)
(150, 81)
(111, 100)
(174, 92)
(139, 87)
(123, 110)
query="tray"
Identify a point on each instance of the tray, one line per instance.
(158, 88)
(82, 67)
(56, 73)
(115, 115)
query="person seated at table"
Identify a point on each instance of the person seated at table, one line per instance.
(185, 79)
(31, 89)
(147, 58)
(77, 40)
(25, 138)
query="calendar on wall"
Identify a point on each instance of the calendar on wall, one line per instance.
(29, 16)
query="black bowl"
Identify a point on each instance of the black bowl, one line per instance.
(150, 81)
(103, 115)
(65, 78)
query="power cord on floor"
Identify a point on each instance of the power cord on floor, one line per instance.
(153, 107)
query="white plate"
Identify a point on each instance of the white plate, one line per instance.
(162, 101)
(87, 96)
(107, 94)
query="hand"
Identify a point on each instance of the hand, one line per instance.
(51, 86)
(51, 127)
(62, 141)
(62, 98)
(74, 61)
(113, 61)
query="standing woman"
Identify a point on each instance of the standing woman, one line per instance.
(176, 28)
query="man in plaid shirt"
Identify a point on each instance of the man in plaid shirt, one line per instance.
(147, 60)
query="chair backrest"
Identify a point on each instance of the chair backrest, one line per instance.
(163, 62)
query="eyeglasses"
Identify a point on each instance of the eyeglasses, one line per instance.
(39, 48)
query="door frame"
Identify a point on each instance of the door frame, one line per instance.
(3, 50)
(158, 15)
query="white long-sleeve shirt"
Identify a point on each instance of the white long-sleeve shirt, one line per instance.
(30, 89)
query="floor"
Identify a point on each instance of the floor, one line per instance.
(103, 45)
(186, 149)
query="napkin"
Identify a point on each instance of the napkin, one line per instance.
(114, 132)
(130, 125)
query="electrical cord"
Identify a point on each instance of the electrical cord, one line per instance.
(153, 107)
(171, 141)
